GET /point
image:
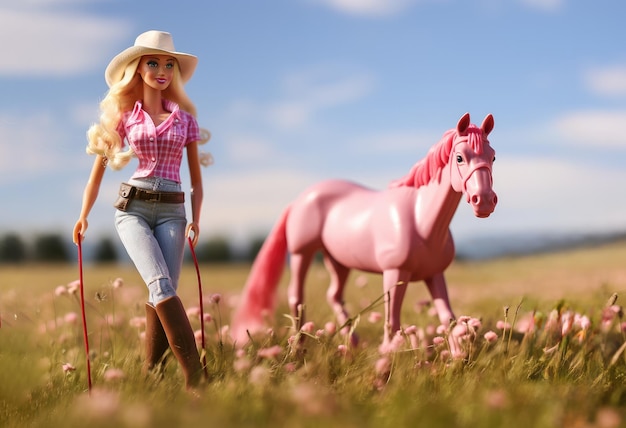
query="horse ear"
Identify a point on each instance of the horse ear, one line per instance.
(488, 124)
(464, 123)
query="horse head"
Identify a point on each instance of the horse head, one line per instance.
(471, 160)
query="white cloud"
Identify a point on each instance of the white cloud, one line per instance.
(54, 40)
(551, 195)
(372, 8)
(544, 5)
(245, 204)
(302, 95)
(250, 149)
(411, 142)
(28, 147)
(607, 81)
(594, 128)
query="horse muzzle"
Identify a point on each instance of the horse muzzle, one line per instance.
(483, 205)
(479, 192)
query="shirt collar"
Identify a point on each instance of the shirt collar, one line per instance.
(167, 105)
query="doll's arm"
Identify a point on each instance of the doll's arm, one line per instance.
(89, 196)
(196, 191)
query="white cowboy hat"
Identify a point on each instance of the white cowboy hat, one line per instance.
(150, 42)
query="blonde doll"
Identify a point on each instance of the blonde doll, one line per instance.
(147, 107)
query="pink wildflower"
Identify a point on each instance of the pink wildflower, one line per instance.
(193, 312)
(70, 318)
(270, 353)
(460, 331)
(207, 318)
(526, 324)
(552, 323)
(430, 330)
(342, 349)
(438, 340)
(583, 322)
(101, 404)
(475, 323)
(67, 367)
(567, 320)
(259, 375)
(441, 329)
(375, 317)
(137, 322)
(607, 417)
(410, 330)
(216, 298)
(609, 314)
(320, 332)
(421, 306)
(197, 334)
(60, 290)
(308, 327)
(113, 374)
(330, 327)
(383, 366)
(241, 364)
(360, 281)
(117, 283)
(502, 325)
(497, 399)
(491, 336)
(73, 286)
(397, 341)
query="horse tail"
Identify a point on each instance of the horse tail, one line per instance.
(258, 296)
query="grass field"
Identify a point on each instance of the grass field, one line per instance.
(543, 340)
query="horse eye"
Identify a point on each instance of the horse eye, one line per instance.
(459, 159)
(493, 160)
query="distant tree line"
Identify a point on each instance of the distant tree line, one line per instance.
(56, 248)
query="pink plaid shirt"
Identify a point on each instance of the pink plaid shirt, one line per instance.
(159, 149)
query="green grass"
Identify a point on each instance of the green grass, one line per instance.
(543, 379)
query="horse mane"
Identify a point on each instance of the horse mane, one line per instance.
(438, 156)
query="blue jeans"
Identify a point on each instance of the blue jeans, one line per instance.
(153, 234)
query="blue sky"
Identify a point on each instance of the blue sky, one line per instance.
(296, 91)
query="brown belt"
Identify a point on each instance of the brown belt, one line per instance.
(131, 192)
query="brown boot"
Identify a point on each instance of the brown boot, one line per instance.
(181, 339)
(156, 340)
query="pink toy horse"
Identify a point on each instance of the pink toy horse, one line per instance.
(401, 232)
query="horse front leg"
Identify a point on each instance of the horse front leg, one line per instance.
(299, 264)
(334, 295)
(439, 293)
(395, 283)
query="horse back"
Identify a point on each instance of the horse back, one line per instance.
(359, 227)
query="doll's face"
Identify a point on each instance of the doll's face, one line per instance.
(157, 70)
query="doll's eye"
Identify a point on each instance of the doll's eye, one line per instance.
(152, 64)
(169, 65)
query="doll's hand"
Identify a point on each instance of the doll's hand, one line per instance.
(79, 230)
(193, 231)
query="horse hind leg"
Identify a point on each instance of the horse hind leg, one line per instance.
(338, 276)
(299, 264)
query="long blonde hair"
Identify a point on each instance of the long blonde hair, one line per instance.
(104, 138)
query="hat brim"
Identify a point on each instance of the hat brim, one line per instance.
(115, 70)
